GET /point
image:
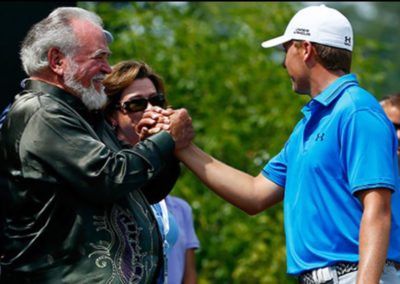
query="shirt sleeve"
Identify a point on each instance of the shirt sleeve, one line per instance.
(369, 151)
(275, 170)
(192, 240)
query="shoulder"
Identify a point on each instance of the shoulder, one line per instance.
(357, 104)
(34, 102)
(355, 98)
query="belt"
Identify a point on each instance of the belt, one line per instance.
(324, 275)
(397, 265)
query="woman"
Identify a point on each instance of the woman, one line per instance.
(133, 87)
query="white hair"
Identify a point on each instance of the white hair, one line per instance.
(55, 31)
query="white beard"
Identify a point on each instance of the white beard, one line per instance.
(90, 97)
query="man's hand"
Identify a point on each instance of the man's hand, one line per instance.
(176, 122)
(181, 128)
(153, 121)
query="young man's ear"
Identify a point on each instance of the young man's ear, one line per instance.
(309, 52)
(56, 60)
(307, 46)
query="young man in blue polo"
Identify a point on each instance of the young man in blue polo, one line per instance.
(338, 170)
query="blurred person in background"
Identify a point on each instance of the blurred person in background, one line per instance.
(391, 106)
(182, 256)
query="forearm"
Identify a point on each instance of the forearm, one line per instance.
(374, 242)
(234, 186)
(190, 273)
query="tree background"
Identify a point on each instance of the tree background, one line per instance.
(242, 105)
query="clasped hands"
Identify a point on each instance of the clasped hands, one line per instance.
(176, 122)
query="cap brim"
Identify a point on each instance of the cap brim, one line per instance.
(109, 36)
(275, 42)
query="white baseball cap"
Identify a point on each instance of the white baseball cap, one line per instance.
(319, 24)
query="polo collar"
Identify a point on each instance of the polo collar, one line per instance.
(335, 89)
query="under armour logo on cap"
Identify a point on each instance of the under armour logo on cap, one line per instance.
(347, 40)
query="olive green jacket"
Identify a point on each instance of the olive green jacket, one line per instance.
(76, 208)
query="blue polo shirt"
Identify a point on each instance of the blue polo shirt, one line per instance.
(343, 144)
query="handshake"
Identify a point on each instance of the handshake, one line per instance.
(176, 122)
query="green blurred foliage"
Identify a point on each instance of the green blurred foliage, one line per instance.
(242, 106)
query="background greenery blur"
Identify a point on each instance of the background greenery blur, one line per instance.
(241, 102)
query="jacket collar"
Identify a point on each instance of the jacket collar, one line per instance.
(41, 86)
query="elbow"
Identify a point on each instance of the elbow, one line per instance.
(256, 206)
(102, 197)
(252, 210)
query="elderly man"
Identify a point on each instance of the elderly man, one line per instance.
(76, 209)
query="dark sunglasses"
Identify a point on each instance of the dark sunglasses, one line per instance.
(140, 104)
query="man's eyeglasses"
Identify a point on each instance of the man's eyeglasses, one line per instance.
(140, 104)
